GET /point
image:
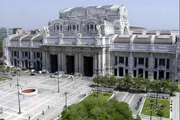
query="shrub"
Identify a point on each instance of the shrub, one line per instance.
(160, 113)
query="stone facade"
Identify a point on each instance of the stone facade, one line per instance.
(94, 41)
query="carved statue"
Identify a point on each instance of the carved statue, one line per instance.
(78, 37)
(46, 30)
(98, 27)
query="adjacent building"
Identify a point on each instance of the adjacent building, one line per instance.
(96, 40)
(4, 32)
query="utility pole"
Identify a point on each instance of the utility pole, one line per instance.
(18, 90)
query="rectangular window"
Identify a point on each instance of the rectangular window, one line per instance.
(29, 55)
(134, 73)
(26, 54)
(38, 55)
(161, 62)
(141, 61)
(126, 61)
(18, 54)
(120, 71)
(146, 74)
(121, 59)
(141, 72)
(167, 75)
(11, 53)
(115, 60)
(91, 27)
(155, 75)
(146, 63)
(126, 71)
(115, 72)
(41, 56)
(167, 64)
(135, 62)
(34, 55)
(14, 53)
(155, 65)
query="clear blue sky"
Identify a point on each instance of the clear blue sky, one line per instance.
(34, 14)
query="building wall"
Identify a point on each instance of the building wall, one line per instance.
(102, 35)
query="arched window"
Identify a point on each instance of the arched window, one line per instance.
(74, 27)
(77, 27)
(57, 27)
(61, 27)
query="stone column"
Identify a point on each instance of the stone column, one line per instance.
(95, 64)
(20, 57)
(108, 61)
(151, 66)
(76, 63)
(130, 64)
(102, 61)
(117, 64)
(99, 63)
(59, 61)
(80, 63)
(32, 58)
(63, 62)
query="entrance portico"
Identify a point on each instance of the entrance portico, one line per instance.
(71, 60)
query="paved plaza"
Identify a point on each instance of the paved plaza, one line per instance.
(48, 95)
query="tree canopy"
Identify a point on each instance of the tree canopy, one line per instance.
(138, 84)
(97, 109)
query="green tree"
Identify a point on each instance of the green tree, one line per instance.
(165, 85)
(147, 84)
(138, 83)
(120, 82)
(97, 109)
(173, 87)
(156, 85)
(127, 82)
(112, 80)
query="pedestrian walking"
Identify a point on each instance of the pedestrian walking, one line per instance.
(43, 112)
(29, 118)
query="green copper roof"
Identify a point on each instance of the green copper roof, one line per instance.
(115, 7)
(66, 10)
(107, 7)
(98, 6)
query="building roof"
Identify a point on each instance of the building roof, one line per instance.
(38, 38)
(106, 7)
(28, 38)
(16, 38)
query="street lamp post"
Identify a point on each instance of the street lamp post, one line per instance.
(65, 99)
(59, 75)
(18, 90)
(58, 82)
(151, 112)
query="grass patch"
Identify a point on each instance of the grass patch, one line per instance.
(2, 79)
(163, 108)
(102, 96)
